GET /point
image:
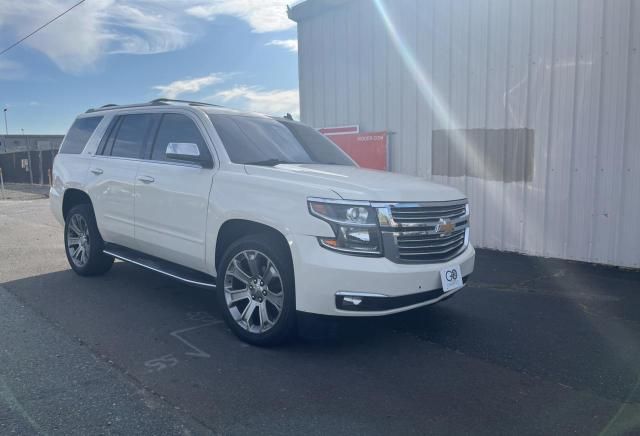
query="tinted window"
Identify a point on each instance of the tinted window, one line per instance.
(131, 134)
(79, 134)
(268, 141)
(177, 128)
(108, 137)
(320, 148)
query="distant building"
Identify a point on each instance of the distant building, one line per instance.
(28, 158)
(530, 107)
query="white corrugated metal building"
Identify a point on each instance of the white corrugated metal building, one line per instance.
(531, 107)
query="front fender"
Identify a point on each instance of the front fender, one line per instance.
(280, 205)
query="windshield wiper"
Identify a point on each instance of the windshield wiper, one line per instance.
(269, 162)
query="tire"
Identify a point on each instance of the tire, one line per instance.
(83, 243)
(248, 296)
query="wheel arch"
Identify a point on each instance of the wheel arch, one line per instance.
(233, 229)
(73, 197)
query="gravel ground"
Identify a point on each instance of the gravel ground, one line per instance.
(23, 191)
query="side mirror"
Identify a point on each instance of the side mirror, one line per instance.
(183, 151)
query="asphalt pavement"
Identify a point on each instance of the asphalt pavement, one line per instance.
(531, 346)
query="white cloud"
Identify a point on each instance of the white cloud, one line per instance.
(272, 102)
(261, 15)
(289, 44)
(144, 28)
(78, 40)
(178, 87)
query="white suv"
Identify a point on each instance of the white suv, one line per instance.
(266, 211)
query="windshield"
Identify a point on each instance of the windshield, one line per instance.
(266, 141)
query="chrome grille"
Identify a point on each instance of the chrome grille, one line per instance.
(426, 215)
(424, 232)
(429, 248)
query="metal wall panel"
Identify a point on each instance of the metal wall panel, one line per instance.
(567, 71)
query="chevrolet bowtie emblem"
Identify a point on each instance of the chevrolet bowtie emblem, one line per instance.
(445, 227)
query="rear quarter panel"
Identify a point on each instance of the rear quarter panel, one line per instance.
(70, 170)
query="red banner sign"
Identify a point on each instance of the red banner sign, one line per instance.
(369, 150)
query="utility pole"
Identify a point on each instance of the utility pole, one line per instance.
(6, 129)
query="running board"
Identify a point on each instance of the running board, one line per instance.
(156, 264)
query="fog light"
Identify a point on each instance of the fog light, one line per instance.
(351, 301)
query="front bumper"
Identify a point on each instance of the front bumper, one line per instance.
(323, 278)
(370, 302)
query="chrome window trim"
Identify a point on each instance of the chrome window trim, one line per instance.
(180, 164)
(136, 159)
(102, 156)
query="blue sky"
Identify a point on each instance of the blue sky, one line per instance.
(240, 53)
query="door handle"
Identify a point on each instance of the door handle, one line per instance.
(97, 171)
(146, 179)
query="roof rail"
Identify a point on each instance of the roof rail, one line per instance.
(189, 102)
(113, 106)
(156, 102)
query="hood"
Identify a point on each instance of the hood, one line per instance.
(353, 183)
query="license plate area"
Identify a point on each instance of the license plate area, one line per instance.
(451, 278)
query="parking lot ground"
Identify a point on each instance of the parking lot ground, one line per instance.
(531, 346)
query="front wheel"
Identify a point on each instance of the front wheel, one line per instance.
(83, 242)
(256, 290)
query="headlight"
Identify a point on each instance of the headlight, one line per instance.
(355, 227)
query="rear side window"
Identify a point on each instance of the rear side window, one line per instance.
(79, 134)
(131, 134)
(176, 128)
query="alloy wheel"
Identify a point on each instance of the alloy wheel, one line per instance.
(253, 291)
(78, 240)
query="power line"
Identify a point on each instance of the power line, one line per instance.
(40, 28)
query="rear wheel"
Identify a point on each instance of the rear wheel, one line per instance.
(256, 290)
(83, 243)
